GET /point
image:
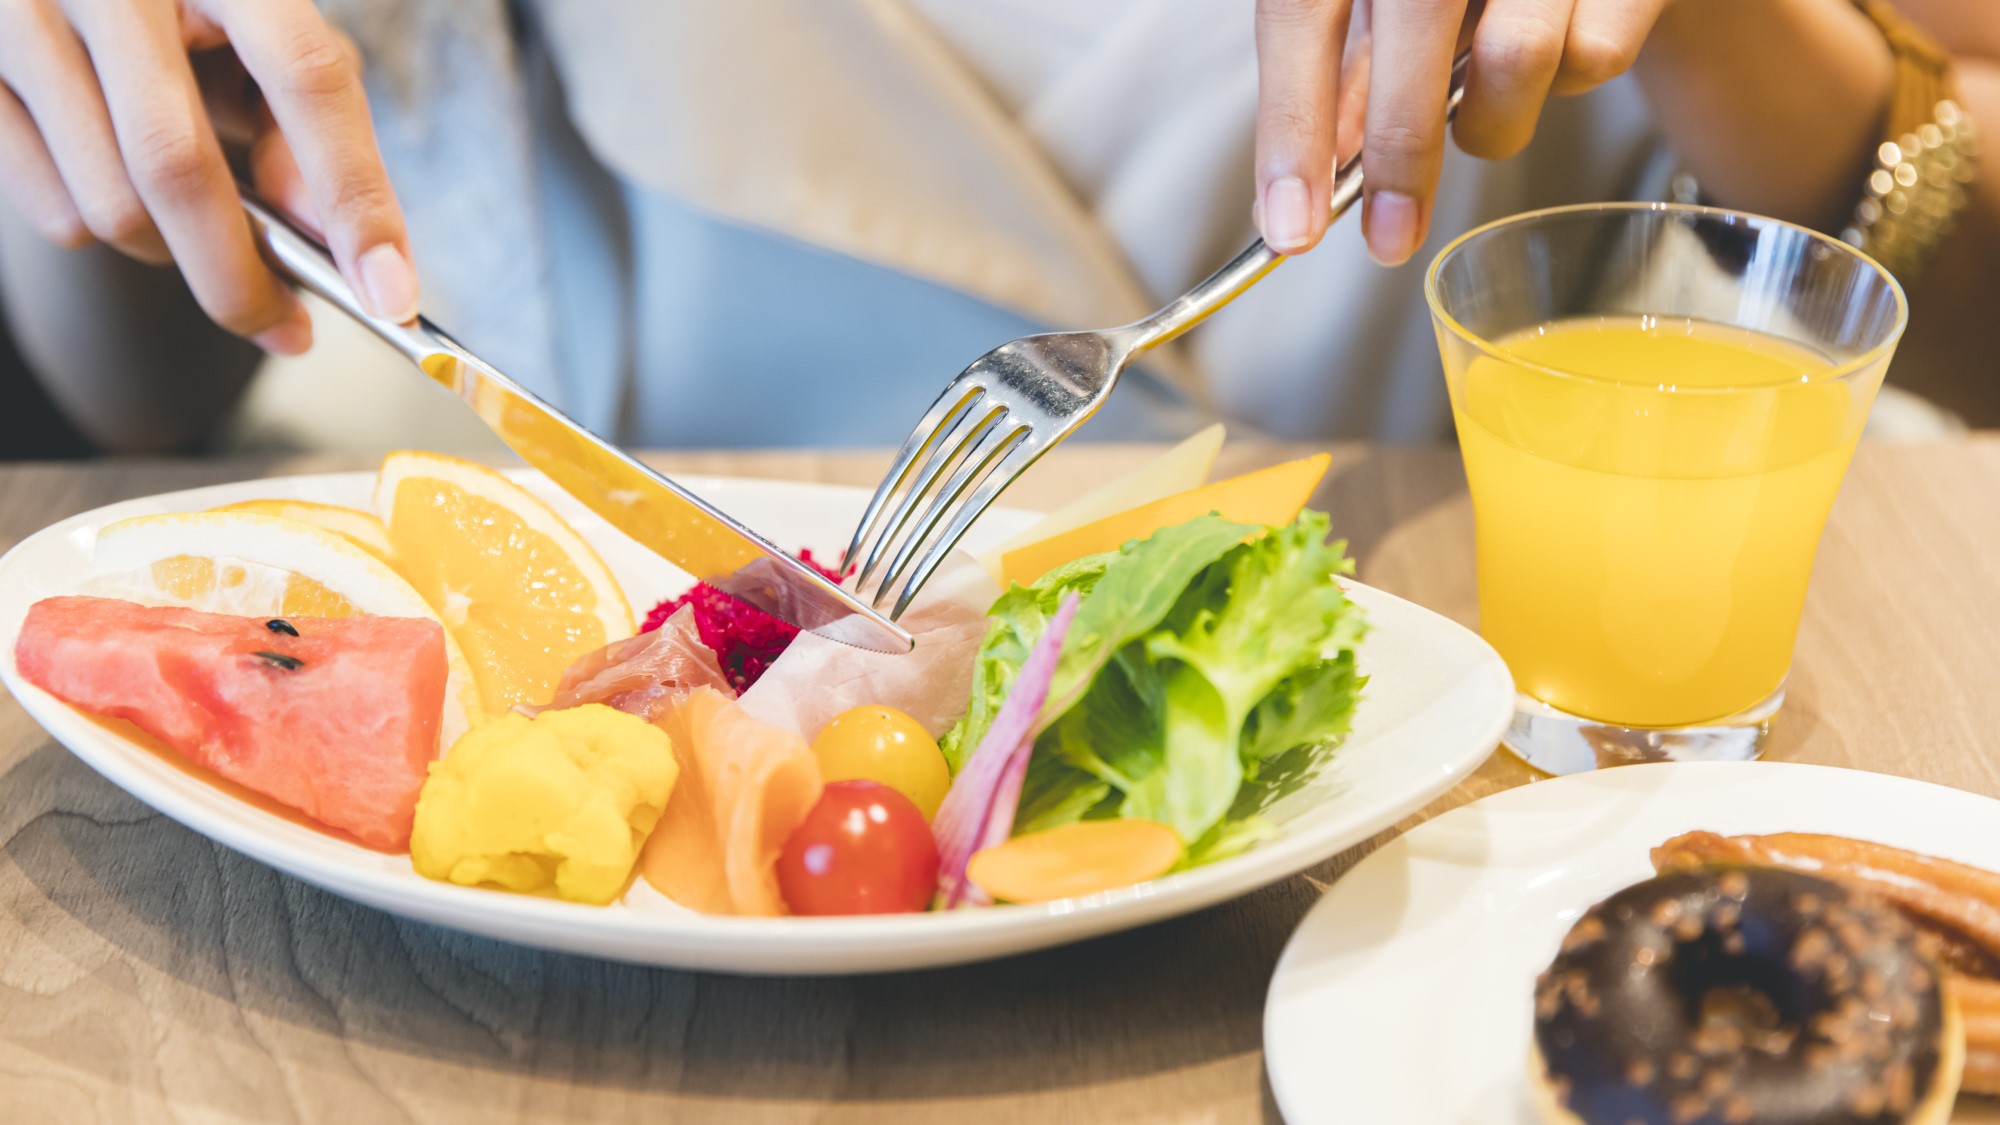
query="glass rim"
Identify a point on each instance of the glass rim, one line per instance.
(1492, 349)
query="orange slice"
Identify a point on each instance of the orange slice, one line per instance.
(520, 590)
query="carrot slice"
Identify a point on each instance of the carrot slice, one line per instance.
(1075, 859)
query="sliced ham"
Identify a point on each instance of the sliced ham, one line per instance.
(817, 679)
(643, 675)
(744, 785)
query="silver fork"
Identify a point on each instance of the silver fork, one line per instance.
(1016, 402)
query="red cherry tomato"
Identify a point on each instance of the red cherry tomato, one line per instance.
(863, 849)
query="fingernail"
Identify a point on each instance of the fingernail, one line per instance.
(388, 283)
(1391, 222)
(293, 337)
(1287, 214)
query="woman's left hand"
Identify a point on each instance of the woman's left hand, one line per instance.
(1386, 98)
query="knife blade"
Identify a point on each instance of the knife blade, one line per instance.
(654, 510)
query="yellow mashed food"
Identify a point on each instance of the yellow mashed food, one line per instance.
(559, 803)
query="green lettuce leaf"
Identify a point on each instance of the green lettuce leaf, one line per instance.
(1243, 630)
(1018, 618)
(1124, 595)
(1313, 705)
(1207, 665)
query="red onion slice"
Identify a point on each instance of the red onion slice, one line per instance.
(978, 812)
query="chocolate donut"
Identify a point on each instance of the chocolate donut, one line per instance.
(1744, 994)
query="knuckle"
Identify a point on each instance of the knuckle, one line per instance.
(313, 65)
(119, 219)
(1398, 143)
(243, 307)
(1296, 120)
(67, 230)
(1519, 48)
(35, 20)
(350, 48)
(358, 197)
(171, 160)
(1296, 15)
(1489, 143)
(1595, 58)
(26, 27)
(1428, 16)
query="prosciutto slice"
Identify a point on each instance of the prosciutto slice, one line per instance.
(643, 675)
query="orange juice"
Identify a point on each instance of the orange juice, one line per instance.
(1649, 495)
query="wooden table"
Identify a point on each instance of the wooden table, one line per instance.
(147, 975)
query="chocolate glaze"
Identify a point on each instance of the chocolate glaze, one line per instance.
(1739, 994)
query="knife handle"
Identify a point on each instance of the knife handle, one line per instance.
(299, 258)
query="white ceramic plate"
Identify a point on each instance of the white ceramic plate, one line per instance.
(1434, 709)
(1405, 995)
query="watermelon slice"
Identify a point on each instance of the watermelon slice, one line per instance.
(335, 717)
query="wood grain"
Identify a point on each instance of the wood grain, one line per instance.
(146, 974)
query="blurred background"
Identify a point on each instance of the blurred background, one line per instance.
(788, 223)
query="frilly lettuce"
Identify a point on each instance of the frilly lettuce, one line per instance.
(1201, 658)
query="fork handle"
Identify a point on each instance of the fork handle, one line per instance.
(1258, 259)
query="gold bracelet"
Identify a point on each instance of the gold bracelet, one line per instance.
(1921, 175)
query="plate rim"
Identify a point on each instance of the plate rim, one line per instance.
(673, 933)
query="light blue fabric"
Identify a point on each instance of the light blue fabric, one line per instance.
(678, 330)
(747, 338)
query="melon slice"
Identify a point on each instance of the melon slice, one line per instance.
(336, 717)
(1267, 497)
(1179, 469)
(247, 563)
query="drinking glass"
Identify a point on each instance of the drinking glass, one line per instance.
(1656, 404)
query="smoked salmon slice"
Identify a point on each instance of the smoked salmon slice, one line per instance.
(744, 786)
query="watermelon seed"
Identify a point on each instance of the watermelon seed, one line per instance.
(280, 625)
(280, 660)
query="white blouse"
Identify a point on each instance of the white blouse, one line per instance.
(792, 221)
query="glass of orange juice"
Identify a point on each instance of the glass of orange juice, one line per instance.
(1655, 404)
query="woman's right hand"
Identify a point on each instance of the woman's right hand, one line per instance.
(110, 112)
(1322, 95)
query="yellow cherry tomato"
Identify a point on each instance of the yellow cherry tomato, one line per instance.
(883, 744)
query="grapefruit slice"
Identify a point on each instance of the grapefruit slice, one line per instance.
(356, 526)
(519, 589)
(261, 566)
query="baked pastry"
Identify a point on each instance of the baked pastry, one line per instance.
(1740, 994)
(1958, 903)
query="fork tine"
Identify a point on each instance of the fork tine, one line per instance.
(965, 432)
(999, 440)
(911, 527)
(1004, 473)
(945, 412)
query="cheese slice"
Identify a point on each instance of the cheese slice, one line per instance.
(1179, 469)
(1270, 496)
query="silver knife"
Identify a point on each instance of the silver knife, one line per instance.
(676, 524)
